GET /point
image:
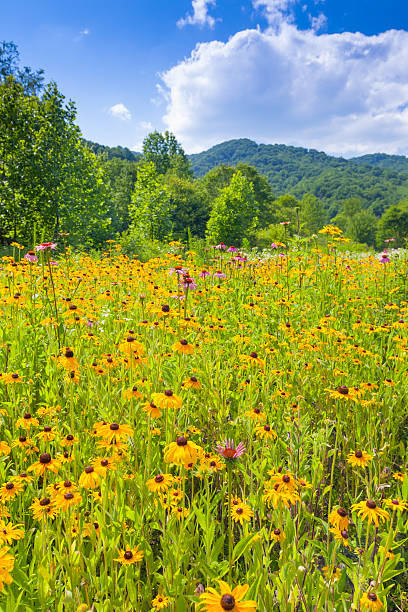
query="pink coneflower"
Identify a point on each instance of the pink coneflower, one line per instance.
(46, 246)
(221, 246)
(219, 274)
(188, 283)
(226, 449)
(177, 270)
(274, 245)
(232, 249)
(384, 258)
(204, 273)
(284, 223)
(31, 257)
(389, 240)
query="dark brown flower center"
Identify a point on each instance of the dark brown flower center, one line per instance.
(254, 355)
(181, 441)
(343, 390)
(372, 596)
(45, 502)
(45, 458)
(70, 437)
(371, 504)
(159, 478)
(344, 534)
(358, 454)
(9, 486)
(128, 555)
(183, 342)
(104, 462)
(341, 512)
(227, 602)
(68, 353)
(89, 470)
(168, 392)
(114, 427)
(277, 532)
(68, 496)
(286, 478)
(27, 415)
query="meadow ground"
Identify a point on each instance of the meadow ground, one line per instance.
(226, 434)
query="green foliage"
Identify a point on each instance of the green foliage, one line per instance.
(50, 182)
(190, 205)
(394, 224)
(122, 176)
(362, 227)
(151, 206)
(233, 214)
(398, 163)
(166, 154)
(313, 214)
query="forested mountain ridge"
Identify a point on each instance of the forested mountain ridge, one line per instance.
(298, 171)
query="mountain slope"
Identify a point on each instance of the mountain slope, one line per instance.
(299, 171)
(398, 163)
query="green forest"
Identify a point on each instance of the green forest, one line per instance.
(53, 182)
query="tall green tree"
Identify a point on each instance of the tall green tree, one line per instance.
(191, 209)
(234, 212)
(314, 215)
(49, 182)
(166, 153)
(151, 206)
(394, 224)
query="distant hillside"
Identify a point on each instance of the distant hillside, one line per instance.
(111, 152)
(398, 163)
(299, 171)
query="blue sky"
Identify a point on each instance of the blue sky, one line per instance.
(325, 74)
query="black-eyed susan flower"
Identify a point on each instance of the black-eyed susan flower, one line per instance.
(338, 518)
(160, 483)
(227, 599)
(396, 504)
(10, 532)
(265, 432)
(4, 448)
(131, 346)
(168, 399)
(256, 414)
(179, 512)
(102, 465)
(399, 476)
(152, 410)
(89, 479)
(45, 463)
(114, 430)
(191, 383)
(241, 512)
(278, 535)
(132, 393)
(341, 535)
(359, 458)
(370, 511)
(369, 601)
(160, 602)
(130, 556)
(10, 490)
(183, 347)
(27, 421)
(181, 451)
(65, 500)
(43, 508)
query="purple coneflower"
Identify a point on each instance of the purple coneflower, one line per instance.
(219, 274)
(221, 246)
(226, 449)
(232, 249)
(204, 273)
(31, 257)
(384, 258)
(46, 246)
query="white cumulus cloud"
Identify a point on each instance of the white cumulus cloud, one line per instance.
(343, 93)
(200, 14)
(120, 112)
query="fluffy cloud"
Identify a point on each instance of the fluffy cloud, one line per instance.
(200, 14)
(120, 112)
(344, 93)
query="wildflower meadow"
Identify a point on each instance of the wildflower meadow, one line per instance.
(207, 431)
